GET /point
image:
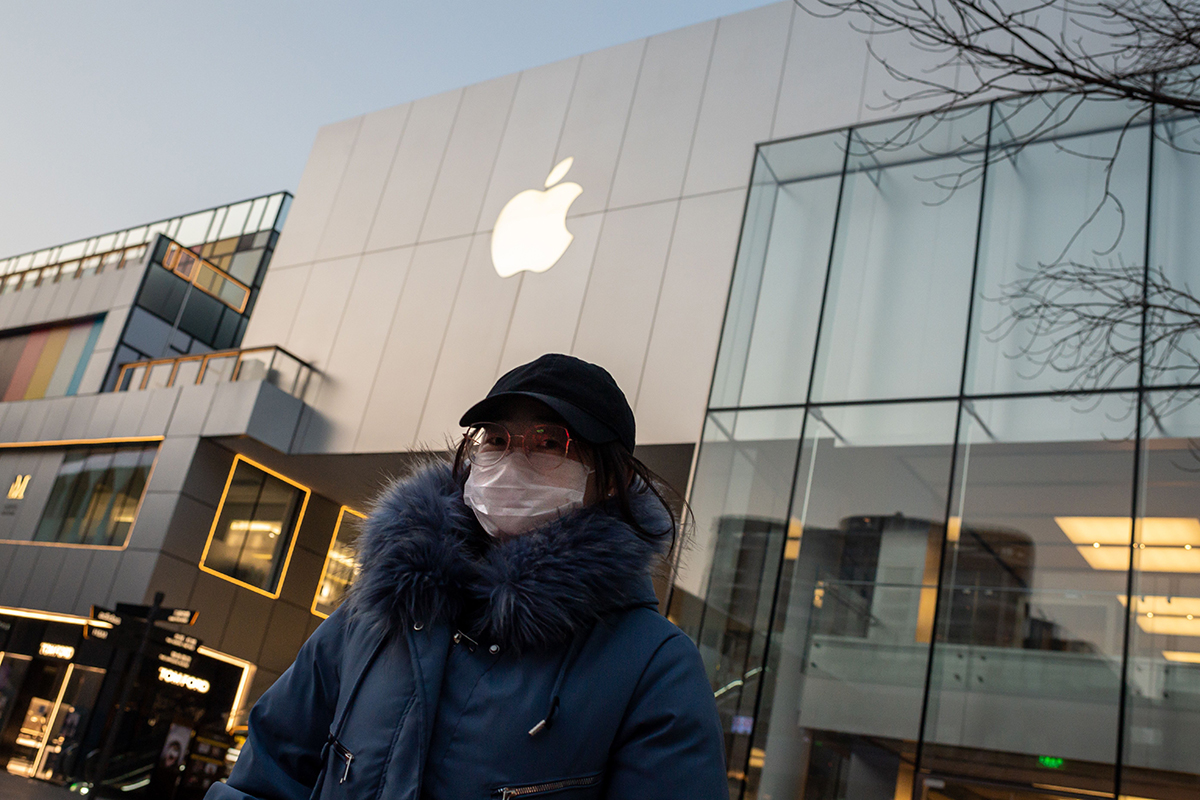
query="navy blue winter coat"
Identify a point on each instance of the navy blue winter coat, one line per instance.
(466, 668)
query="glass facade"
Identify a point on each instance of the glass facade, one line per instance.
(255, 528)
(952, 432)
(341, 565)
(95, 496)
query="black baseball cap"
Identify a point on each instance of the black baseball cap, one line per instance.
(583, 394)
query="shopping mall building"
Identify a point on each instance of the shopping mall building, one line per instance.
(918, 376)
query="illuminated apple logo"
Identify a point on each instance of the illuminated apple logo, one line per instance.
(531, 232)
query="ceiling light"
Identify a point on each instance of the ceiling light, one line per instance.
(1185, 656)
(1153, 531)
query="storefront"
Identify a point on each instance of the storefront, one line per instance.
(61, 679)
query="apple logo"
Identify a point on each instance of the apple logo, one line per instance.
(531, 232)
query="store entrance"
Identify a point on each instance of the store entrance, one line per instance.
(958, 789)
(44, 702)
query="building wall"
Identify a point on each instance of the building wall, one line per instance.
(382, 278)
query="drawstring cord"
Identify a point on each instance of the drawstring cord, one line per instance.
(552, 709)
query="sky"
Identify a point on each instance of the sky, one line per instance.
(119, 113)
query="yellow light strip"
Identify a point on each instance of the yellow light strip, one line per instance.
(37, 760)
(47, 616)
(329, 554)
(66, 442)
(291, 545)
(239, 697)
(1182, 656)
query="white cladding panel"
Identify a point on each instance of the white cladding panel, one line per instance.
(383, 276)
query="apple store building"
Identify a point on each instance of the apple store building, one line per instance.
(927, 383)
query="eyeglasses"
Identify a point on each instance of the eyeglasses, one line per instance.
(545, 445)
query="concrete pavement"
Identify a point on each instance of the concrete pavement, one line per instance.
(13, 787)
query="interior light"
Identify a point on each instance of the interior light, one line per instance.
(1183, 656)
(1096, 544)
(1154, 531)
(1166, 606)
(1169, 626)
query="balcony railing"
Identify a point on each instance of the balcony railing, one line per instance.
(271, 364)
(72, 268)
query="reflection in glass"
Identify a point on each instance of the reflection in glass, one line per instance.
(895, 314)
(1163, 681)
(1027, 662)
(341, 565)
(1057, 303)
(722, 595)
(854, 605)
(252, 536)
(95, 495)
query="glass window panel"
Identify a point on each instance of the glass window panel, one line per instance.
(1163, 678)
(895, 314)
(1027, 662)
(1042, 117)
(219, 369)
(1059, 266)
(807, 157)
(251, 539)
(284, 207)
(42, 257)
(235, 220)
(132, 255)
(193, 229)
(254, 220)
(62, 495)
(244, 265)
(24, 262)
(160, 375)
(723, 589)
(173, 227)
(88, 266)
(743, 293)
(272, 210)
(959, 132)
(779, 361)
(214, 230)
(1173, 335)
(254, 365)
(69, 251)
(341, 566)
(187, 372)
(137, 236)
(855, 603)
(105, 243)
(95, 495)
(134, 377)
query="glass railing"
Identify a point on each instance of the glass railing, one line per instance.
(71, 268)
(271, 364)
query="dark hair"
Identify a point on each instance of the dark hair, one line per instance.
(617, 472)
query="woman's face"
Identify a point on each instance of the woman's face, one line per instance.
(520, 414)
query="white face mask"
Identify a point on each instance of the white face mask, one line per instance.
(511, 497)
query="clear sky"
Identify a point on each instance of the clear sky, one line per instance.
(118, 113)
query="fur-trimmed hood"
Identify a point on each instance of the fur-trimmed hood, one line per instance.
(424, 558)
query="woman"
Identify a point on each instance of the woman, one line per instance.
(502, 638)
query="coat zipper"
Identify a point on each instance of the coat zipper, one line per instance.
(346, 756)
(507, 793)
